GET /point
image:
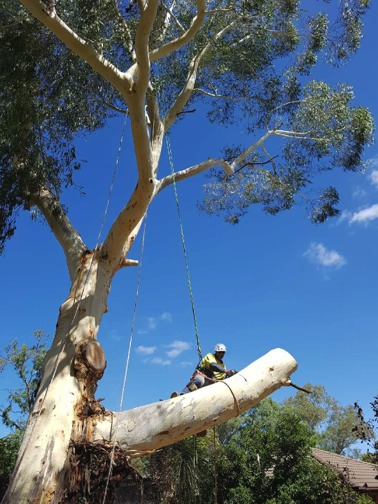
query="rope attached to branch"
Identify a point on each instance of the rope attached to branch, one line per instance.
(184, 248)
(111, 462)
(57, 360)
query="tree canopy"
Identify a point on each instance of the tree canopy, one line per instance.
(248, 61)
(67, 67)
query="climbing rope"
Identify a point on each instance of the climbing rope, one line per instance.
(111, 462)
(169, 149)
(215, 466)
(92, 258)
(57, 360)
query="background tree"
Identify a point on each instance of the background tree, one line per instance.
(248, 61)
(335, 426)
(9, 446)
(367, 430)
(268, 461)
(262, 456)
(179, 473)
(26, 364)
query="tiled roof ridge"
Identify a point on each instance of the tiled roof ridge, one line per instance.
(358, 474)
(375, 466)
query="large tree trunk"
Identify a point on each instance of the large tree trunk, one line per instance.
(73, 365)
(67, 418)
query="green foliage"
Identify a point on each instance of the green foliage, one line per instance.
(367, 430)
(323, 131)
(268, 461)
(261, 457)
(313, 408)
(337, 427)
(47, 97)
(178, 472)
(257, 56)
(26, 363)
(9, 447)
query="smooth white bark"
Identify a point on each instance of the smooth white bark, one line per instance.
(43, 464)
(166, 422)
(78, 45)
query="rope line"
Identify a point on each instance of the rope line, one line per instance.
(57, 360)
(91, 261)
(111, 463)
(233, 395)
(215, 466)
(184, 247)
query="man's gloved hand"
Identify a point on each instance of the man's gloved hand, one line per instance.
(230, 372)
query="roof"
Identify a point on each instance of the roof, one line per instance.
(358, 474)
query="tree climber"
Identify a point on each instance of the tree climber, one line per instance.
(209, 370)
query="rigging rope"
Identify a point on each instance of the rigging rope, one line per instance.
(184, 247)
(111, 462)
(57, 360)
(92, 258)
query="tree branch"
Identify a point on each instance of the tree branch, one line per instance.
(188, 89)
(222, 97)
(69, 239)
(141, 69)
(79, 46)
(185, 38)
(125, 228)
(192, 171)
(156, 130)
(303, 135)
(242, 157)
(170, 13)
(160, 424)
(230, 169)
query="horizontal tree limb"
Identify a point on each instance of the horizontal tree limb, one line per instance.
(166, 422)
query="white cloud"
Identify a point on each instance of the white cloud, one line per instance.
(151, 323)
(160, 361)
(186, 364)
(319, 254)
(346, 215)
(374, 178)
(146, 350)
(363, 216)
(176, 348)
(366, 215)
(166, 316)
(359, 192)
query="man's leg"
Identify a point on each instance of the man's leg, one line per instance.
(197, 381)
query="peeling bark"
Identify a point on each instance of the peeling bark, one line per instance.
(66, 396)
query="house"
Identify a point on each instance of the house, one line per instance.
(361, 476)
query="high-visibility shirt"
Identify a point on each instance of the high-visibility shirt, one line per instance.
(212, 367)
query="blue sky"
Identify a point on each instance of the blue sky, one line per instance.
(268, 282)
